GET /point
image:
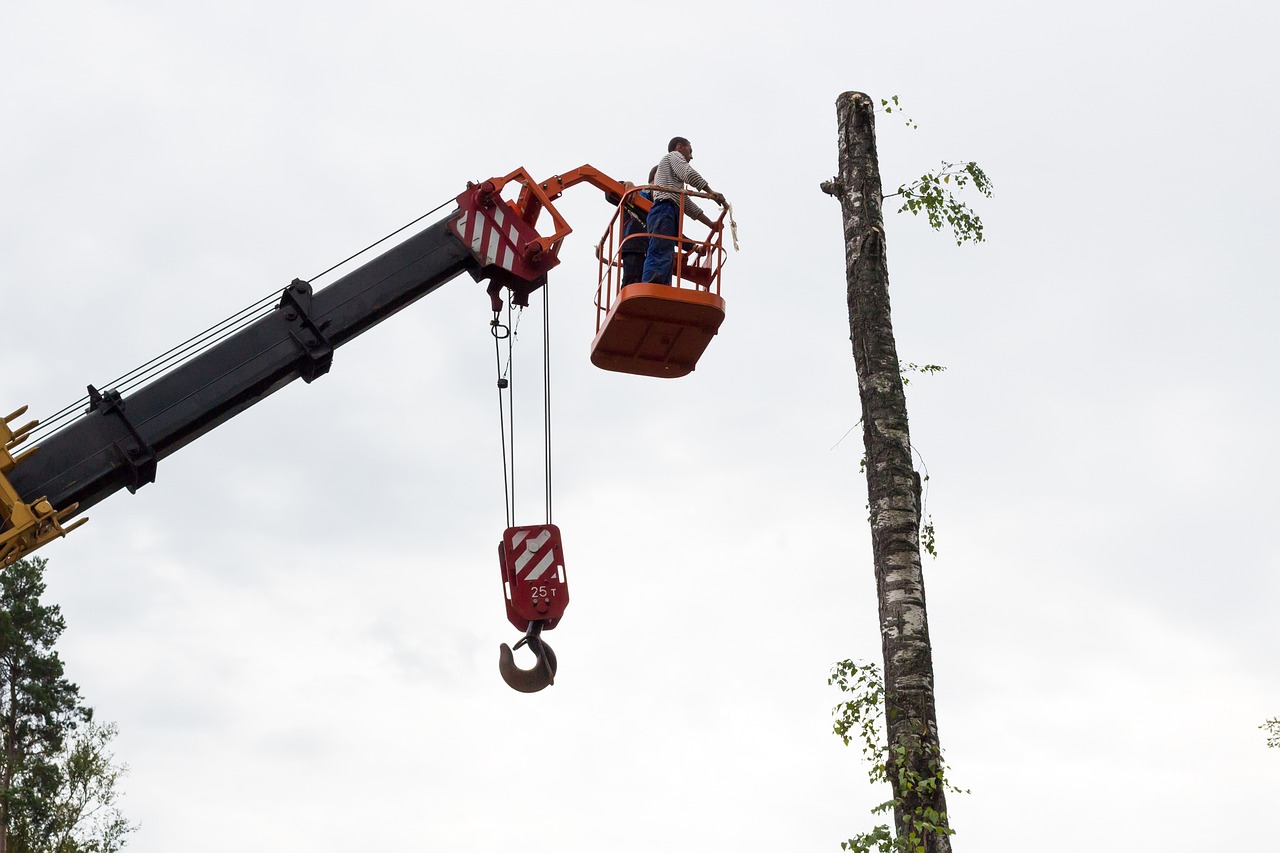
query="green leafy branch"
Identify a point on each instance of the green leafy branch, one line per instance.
(905, 367)
(860, 718)
(1272, 728)
(892, 106)
(929, 537)
(928, 533)
(932, 194)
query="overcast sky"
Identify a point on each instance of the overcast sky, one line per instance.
(296, 626)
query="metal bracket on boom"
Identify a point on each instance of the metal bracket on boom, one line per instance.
(295, 302)
(24, 526)
(138, 454)
(502, 234)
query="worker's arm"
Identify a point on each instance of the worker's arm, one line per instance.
(702, 217)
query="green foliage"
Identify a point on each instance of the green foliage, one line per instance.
(38, 706)
(905, 367)
(85, 817)
(48, 762)
(892, 106)
(860, 718)
(928, 534)
(932, 195)
(929, 537)
(1272, 728)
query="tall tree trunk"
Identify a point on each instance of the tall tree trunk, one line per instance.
(10, 740)
(893, 486)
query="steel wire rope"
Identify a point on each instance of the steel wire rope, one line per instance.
(511, 408)
(384, 239)
(192, 347)
(354, 296)
(506, 415)
(196, 344)
(502, 418)
(546, 391)
(170, 358)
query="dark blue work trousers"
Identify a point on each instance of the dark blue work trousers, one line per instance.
(664, 219)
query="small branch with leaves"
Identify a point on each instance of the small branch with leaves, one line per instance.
(892, 106)
(859, 718)
(905, 367)
(1272, 728)
(932, 194)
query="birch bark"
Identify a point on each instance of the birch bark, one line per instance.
(893, 486)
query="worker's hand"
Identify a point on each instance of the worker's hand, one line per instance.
(718, 198)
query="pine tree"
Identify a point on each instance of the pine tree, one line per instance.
(39, 709)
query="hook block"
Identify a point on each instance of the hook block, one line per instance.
(533, 575)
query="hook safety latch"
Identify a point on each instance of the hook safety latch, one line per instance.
(537, 593)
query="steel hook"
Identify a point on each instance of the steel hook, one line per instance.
(542, 674)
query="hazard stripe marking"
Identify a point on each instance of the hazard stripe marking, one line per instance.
(531, 549)
(542, 566)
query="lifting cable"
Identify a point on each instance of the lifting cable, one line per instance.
(162, 363)
(505, 332)
(506, 411)
(385, 239)
(546, 393)
(195, 345)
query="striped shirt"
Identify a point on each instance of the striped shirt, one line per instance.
(673, 173)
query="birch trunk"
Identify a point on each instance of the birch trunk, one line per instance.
(893, 486)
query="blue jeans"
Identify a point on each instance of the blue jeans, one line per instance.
(663, 220)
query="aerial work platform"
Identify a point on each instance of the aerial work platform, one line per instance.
(657, 330)
(651, 329)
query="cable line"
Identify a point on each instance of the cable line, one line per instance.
(384, 239)
(506, 410)
(166, 360)
(195, 345)
(546, 391)
(502, 332)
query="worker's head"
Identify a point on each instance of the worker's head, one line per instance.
(679, 143)
(653, 173)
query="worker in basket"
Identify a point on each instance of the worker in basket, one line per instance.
(671, 175)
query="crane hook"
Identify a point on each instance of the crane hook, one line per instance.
(542, 674)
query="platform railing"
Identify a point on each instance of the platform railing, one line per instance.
(696, 264)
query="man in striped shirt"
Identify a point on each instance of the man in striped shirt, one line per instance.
(674, 172)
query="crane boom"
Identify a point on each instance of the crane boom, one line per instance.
(94, 457)
(120, 439)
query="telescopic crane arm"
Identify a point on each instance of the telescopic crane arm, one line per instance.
(120, 439)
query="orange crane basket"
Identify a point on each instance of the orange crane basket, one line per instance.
(656, 329)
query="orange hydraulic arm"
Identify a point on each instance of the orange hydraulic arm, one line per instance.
(553, 187)
(503, 234)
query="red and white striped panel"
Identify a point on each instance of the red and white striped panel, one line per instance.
(533, 575)
(532, 552)
(492, 240)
